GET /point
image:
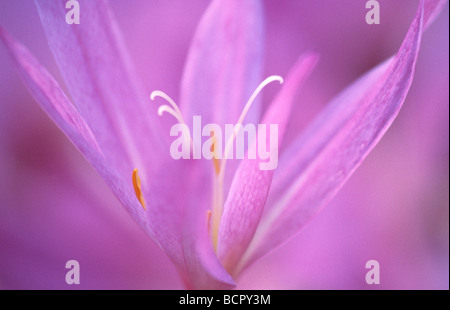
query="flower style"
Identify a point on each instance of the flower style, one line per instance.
(212, 222)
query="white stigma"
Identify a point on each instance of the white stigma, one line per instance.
(219, 184)
(244, 112)
(174, 110)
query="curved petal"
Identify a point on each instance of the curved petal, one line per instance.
(52, 98)
(55, 103)
(248, 193)
(317, 165)
(224, 63)
(164, 221)
(101, 81)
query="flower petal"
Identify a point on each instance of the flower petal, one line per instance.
(185, 241)
(223, 67)
(204, 269)
(163, 224)
(248, 193)
(99, 76)
(164, 219)
(52, 98)
(317, 165)
(180, 196)
(55, 103)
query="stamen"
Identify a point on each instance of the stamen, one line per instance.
(216, 212)
(208, 219)
(216, 165)
(214, 150)
(137, 188)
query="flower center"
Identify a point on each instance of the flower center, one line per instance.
(219, 165)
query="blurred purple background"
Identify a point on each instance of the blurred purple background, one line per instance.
(395, 209)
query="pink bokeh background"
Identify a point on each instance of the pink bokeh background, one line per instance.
(395, 208)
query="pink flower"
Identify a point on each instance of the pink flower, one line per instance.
(117, 129)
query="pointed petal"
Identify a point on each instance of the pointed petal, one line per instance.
(55, 103)
(185, 241)
(316, 166)
(98, 74)
(224, 63)
(250, 186)
(51, 97)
